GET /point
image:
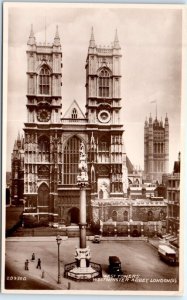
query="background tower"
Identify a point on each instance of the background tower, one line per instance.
(156, 149)
(17, 164)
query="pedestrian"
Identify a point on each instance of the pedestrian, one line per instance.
(33, 257)
(27, 265)
(39, 264)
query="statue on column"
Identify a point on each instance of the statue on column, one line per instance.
(82, 178)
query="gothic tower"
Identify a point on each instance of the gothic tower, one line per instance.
(156, 149)
(17, 166)
(107, 159)
(42, 137)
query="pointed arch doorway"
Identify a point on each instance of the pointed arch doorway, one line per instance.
(73, 215)
(43, 195)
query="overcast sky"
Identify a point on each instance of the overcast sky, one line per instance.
(150, 42)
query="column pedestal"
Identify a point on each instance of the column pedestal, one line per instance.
(82, 269)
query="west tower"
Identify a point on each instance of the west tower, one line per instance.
(107, 159)
(42, 137)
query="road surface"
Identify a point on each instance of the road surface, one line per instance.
(143, 270)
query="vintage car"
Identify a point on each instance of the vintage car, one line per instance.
(96, 239)
(115, 266)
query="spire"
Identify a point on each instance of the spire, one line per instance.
(31, 40)
(19, 138)
(15, 146)
(116, 41)
(18, 141)
(166, 119)
(22, 142)
(93, 145)
(161, 122)
(57, 37)
(92, 39)
(146, 123)
(150, 119)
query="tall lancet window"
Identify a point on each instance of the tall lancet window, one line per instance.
(104, 83)
(44, 81)
(103, 149)
(71, 160)
(74, 113)
(43, 149)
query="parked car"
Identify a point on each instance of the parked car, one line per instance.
(115, 266)
(61, 225)
(96, 239)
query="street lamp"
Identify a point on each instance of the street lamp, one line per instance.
(58, 240)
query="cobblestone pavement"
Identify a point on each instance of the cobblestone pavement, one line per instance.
(143, 270)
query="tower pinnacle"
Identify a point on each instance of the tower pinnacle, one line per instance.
(92, 39)
(146, 123)
(31, 40)
(166, 119)
(116, 41)
(57, 37)
(150, 119)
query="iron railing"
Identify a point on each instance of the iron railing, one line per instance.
(84, 276)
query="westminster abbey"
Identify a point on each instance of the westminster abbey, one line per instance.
(52, 139)
(45, 160)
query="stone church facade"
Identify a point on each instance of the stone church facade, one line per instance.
(52, 140)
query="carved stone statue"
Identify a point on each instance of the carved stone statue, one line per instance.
(82, 178)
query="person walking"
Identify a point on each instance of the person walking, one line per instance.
(26, 265)
(33, 257)
(39, 264)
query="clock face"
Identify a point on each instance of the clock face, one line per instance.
(104, 116)
(43, 115)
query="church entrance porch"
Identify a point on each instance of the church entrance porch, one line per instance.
(73, 216)
(43, 204)
(43, 195)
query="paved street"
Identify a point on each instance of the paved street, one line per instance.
(142, 267)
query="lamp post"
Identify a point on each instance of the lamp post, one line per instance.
(58, 240)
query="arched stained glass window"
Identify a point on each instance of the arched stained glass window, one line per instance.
(125, 215)
(114, 216)
(71, 160)
(150, 215)
(161, 215)
(44, 81)
(104, 83)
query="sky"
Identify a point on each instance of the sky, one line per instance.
(151, 48)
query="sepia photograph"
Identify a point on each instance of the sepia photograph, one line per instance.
(92, 148)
